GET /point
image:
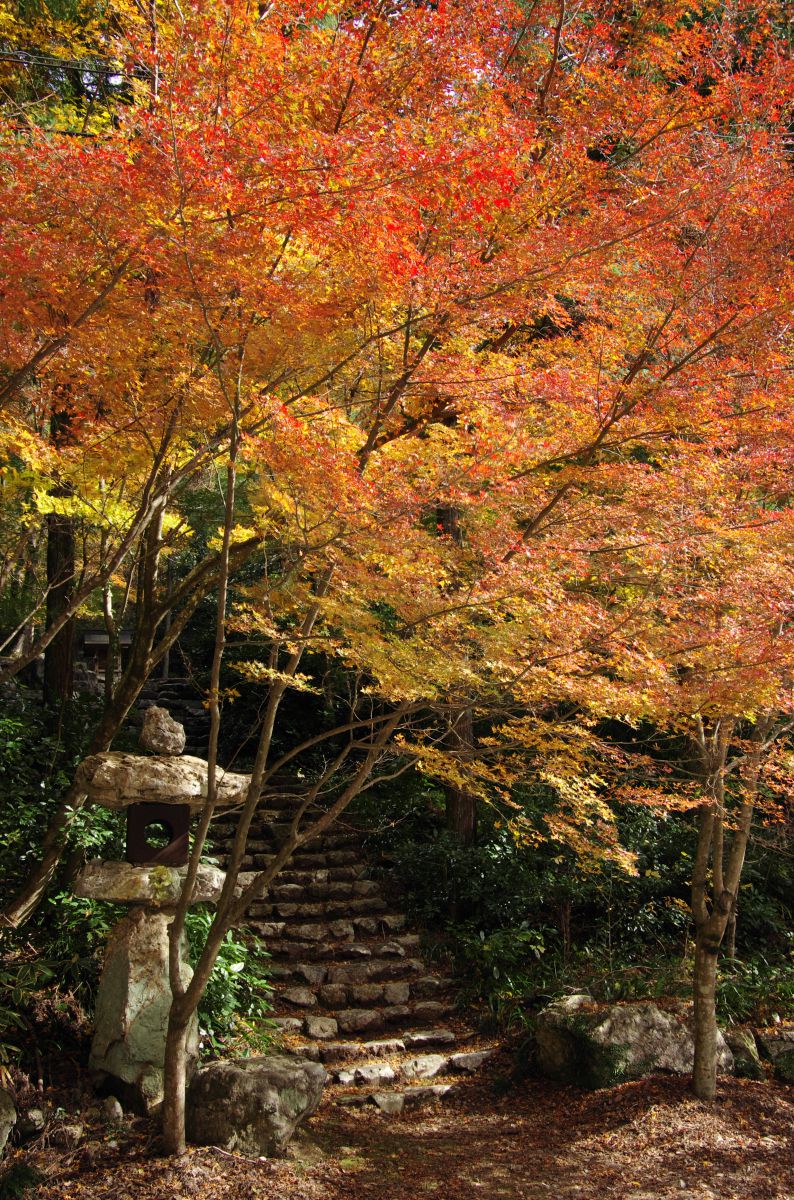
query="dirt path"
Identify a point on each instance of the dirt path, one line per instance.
(646, 1141)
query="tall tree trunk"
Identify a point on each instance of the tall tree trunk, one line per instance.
(461, 814)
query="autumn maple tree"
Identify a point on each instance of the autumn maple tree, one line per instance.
(377, 265)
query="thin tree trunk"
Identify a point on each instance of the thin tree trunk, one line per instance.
(704, 1072)
(175, 1079)
(730, 934)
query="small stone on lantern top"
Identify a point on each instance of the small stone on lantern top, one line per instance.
(161, 734)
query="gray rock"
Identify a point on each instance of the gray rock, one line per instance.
(596, 1046)
(777, 1045)
(8, 1117)
(392, 1046)
(158, 887)
(375, 1073)
(299, 996)
(132, 1006)
(333, 1052)
(333, 995)
(357, 972)
(396, 1014)
(252, 1105)
(424, 1066)
(746, 1059)
(366, 993)
(321, 1028)
(288, 1024)
(313, 973)
(431, 1091)
(31, 1123)
(116, 779)
(469, 1062)
(310, 933)
(391, 1103)
(160, 733)
(396, 993)
(68, 1136)
(357, 1020)
(308, 1050)
(342, 930)
(430, 1037)
(392, 950)
(112, 1112)
(429, 1009)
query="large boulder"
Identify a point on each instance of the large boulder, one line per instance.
(746, 1059)
(252, 1105)
(599, 1045)
(777, 1045)
(131, 1018)
(8, 1117)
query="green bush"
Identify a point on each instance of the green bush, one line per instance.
(234, 1008)
(756, 988)
(18, 981)
(37, 767)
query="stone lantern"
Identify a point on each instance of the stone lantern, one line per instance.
(160, 792)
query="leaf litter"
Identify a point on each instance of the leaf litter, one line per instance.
(647, 1140)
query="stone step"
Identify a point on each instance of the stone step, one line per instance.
(358, 1020)
(309, 992)
(309, 862)
(335, 1052)
(284, 802)
(393, 1102)
(397, 947)
(271, 834)
(366, 970)
(320, 876)
(374, 1020)
(291, 939)
(375, 1072)
(345, 890)
(299, 912)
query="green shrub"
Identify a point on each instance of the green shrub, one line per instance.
(233, 1011)
(37, 767)
(18, 981)
(755, 988)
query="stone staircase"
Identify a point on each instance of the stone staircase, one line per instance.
(351, 988)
